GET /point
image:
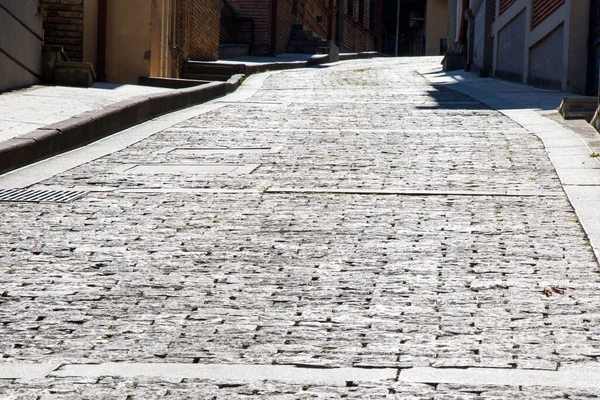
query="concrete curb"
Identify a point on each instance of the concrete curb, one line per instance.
(88, 127)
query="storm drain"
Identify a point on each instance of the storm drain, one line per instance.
(38, 196)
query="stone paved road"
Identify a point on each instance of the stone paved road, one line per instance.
(380, 222)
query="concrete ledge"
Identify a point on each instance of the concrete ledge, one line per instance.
(595, 122)
(68, 73)
(93, 125)
(171, 83)
(453, 61)
(235, 82)
(233, 50)
(364, 54)
(578, 108)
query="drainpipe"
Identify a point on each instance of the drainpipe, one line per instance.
(330, 30)
(101, 51)
(274, 6)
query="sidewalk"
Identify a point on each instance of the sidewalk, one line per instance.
(23, 111)
(41, 121)
(572, 145)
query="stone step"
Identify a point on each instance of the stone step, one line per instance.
(69, 73)
(233, 50)
(578, 108)
(212, 68)
(206, 77)
(308, 50)
(315, 43)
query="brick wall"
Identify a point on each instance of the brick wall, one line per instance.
(309, 16)
(63, 26)
(314, 14)
(199, 28)
(542, 9)
(260, 12)
(359, 35)
(228, 23)
(285, 19)
(357, 38)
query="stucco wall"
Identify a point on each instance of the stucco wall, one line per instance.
(511, 49)
(555, 42)
(20, 49)
(127, 40)
(546, 60)
(436, 25)
(479, 41)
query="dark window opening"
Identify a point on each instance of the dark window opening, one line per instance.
(372, 15)
(361, 11)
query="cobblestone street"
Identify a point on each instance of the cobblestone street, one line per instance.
(353, 217)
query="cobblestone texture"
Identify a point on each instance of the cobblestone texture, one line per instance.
(330, 280)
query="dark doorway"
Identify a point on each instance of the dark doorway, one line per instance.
(411, 35)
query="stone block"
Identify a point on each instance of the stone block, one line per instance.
(578, 108)
(74, 74)
(453, 61)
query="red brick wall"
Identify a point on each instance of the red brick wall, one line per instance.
(309, 13)
(199, 28)
(228, 23)
(260, 12)
(542, 9)
(63, 26)
(357, 38)
(359, 35)
(285, 19)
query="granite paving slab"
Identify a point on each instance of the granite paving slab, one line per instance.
(428, 232)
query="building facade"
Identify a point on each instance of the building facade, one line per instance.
(128, 39)
(543, 43)
(350, 24)
(122, 40)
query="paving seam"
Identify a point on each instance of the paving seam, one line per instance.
(568, 377)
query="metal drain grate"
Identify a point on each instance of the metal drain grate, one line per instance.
(37, 196)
